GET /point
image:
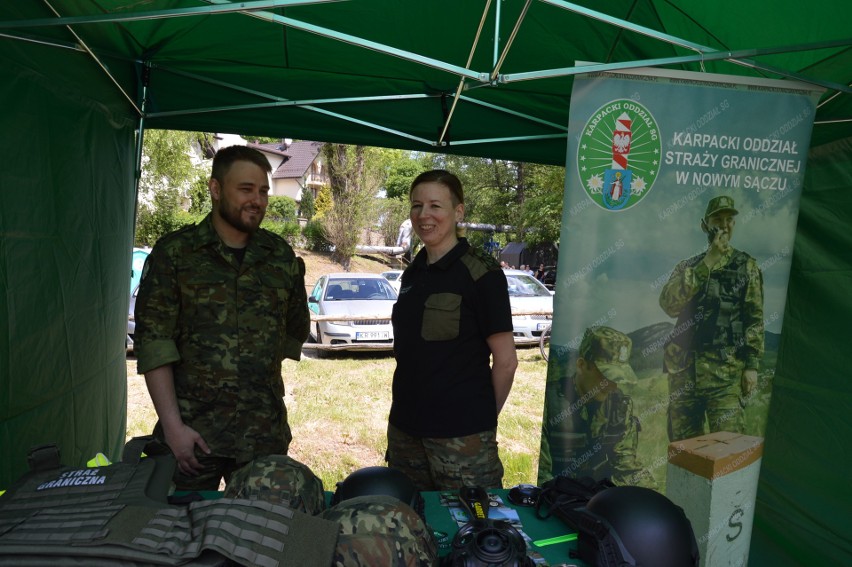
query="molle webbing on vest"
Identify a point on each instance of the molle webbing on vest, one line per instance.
(225, 526)
(55, 527)
(250, 532)
(118, 514)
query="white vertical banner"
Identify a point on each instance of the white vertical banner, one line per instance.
(680, 207)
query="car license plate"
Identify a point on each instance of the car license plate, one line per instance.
(542, 326)
(374, 336)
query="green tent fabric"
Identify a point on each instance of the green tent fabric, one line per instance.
(387, 73)
(78, 78)
(803, 499)
(66, 209)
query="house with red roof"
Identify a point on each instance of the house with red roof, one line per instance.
(296, 165)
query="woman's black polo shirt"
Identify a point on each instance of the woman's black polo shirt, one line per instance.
(445, 311)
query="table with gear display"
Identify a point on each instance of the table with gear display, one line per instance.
(445, 516)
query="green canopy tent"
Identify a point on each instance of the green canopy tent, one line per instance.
(81, 79)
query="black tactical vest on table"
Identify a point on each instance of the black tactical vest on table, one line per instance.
(119, 515)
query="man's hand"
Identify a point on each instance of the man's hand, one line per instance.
(748, 383)
(719, 244)
(182, 442)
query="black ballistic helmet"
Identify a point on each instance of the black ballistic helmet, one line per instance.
(634, 526)
(379, 480)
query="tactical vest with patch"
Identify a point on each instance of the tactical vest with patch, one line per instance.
(119, 514)
(714, 315)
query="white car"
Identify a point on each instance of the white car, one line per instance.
(394, 277)
(131, 322)
(528, 295)
(363, 301)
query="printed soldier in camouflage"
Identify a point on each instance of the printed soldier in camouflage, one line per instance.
(220, 305)
(713, 353)
(381, 530)
(589, 429)
(281, 480)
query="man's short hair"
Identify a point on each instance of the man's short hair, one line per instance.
(225, 158)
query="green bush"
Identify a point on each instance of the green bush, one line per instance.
(306, 206)
(324, 202)
(281, 209)
(288, 229)
(184, 218)
(315, 238)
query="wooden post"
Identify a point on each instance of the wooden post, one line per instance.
(714, 479)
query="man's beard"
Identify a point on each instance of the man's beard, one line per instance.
(233, 217)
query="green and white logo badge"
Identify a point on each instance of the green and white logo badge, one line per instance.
(619, 155)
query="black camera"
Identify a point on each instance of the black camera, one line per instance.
(483, 542)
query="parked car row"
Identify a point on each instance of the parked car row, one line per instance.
(363, 303)
(367, 295)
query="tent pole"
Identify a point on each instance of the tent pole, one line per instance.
(496, 34)
(113, 18)
(95, 57)
(469, 60)
(140, 136)
(496, 71)
(366, 44)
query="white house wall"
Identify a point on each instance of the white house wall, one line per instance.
(287, 188)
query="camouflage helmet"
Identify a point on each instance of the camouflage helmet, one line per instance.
(381, 530)
(278, 479)
(720, 203)
(610, 351)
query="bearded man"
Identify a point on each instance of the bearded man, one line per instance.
(220, 305)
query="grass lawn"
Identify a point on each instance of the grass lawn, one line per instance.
(338, 405)
(338, 408)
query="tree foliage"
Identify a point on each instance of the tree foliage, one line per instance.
(542, 209)
(323, 203)
(391, 212)
(199, 195)
(400, 168)
(524, 196)
(306, 203)
(169, 177)
(355, 177)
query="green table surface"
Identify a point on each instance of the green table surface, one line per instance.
(440, 520)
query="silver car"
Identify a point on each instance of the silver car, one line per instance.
(131, 321)
(394, 277)
(363, 302)
(528, 295)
